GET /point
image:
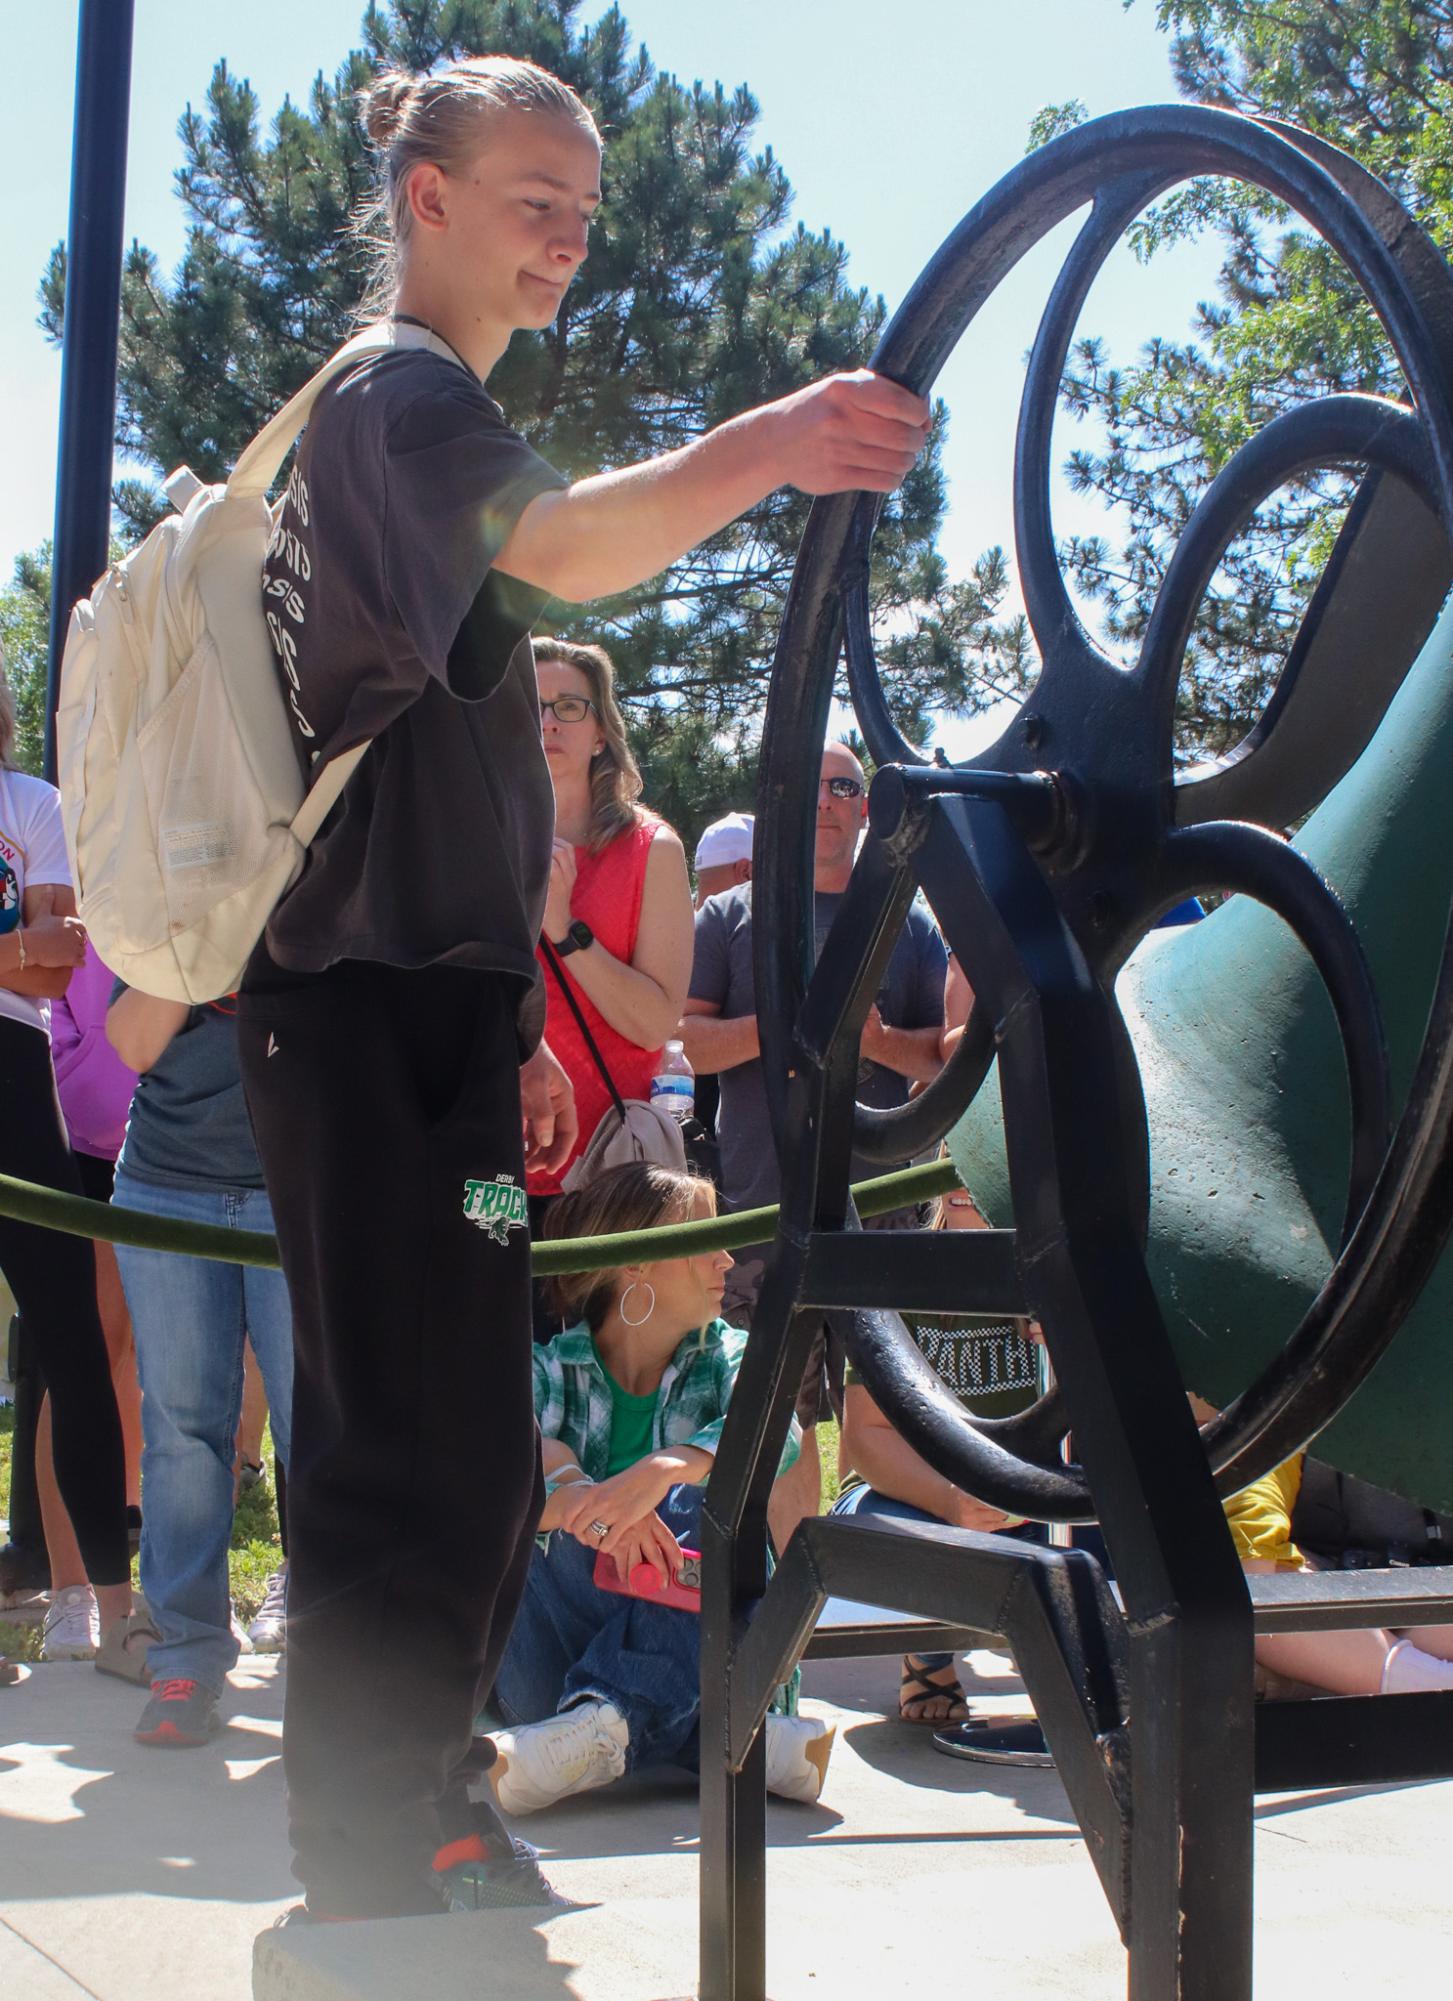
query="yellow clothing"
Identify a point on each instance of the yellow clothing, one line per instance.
(1261, 1517)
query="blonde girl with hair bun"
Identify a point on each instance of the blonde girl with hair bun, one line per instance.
(390, 1020)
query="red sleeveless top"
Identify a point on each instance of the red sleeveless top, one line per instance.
(607, 894)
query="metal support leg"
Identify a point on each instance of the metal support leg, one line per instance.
(733, 1843)
(1189, 1936)
(93, 307)
(734, 1576)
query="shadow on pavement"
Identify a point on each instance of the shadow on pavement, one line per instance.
(88, 1811)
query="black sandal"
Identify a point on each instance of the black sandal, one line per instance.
(918, 1687)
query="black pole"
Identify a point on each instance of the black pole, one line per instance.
(93, 314)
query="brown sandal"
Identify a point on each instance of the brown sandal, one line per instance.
(923, 1690)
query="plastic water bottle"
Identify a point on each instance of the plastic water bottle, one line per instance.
(674, 1084)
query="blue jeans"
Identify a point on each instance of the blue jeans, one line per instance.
(191, 1318)
(866, 1500)
(572, 1642)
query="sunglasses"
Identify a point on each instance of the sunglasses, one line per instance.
(842, 788)
(567, 708)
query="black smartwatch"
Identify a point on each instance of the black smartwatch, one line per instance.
(576, 938)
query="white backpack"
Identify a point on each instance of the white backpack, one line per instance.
(184, 807)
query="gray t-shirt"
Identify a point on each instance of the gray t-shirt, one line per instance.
(188, 1125)
(911, 996)
(389, 623)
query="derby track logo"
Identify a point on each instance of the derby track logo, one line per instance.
(497, 1206)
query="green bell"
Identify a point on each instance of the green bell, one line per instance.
(1246, 1097)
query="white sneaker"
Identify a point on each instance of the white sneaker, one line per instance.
(798, 1748)
(573, 1752)
(269, 1630)
(72, 1630)
(244, 1644)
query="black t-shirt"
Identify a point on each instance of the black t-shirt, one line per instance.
(389, 623)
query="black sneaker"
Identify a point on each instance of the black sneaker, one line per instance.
(491, 1880)
(180, 1715)
(996, 1740)
(489, 1869)
(24, 1570)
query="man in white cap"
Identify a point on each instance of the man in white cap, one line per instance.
(724, 855)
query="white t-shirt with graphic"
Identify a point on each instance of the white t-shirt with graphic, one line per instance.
(32, 851)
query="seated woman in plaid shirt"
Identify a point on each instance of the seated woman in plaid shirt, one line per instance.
(630, 1401)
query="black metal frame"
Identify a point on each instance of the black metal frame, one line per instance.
(1045, 861)
(93, 308)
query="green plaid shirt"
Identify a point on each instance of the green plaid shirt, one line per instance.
(573, 1402)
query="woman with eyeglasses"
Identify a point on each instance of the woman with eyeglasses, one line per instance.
(618, 913)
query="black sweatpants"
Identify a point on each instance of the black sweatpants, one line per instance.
(53, 1277)
(387, 1113)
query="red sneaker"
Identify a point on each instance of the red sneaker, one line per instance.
(181, 1714)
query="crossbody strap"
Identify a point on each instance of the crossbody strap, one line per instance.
(553, 959)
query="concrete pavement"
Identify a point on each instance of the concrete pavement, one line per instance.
(131, 1874)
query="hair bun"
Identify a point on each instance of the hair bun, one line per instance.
(382, 106)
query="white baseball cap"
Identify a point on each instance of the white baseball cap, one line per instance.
(724, 841)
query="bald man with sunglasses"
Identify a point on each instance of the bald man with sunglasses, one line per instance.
(900, 1047)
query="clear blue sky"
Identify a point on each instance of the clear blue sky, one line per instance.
(890, 120)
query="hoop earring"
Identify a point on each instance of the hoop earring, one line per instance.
(645, 1286)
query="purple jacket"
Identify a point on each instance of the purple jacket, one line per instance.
(95, 1085)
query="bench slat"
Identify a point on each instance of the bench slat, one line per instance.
(1297, 1601)
(1320, 1601)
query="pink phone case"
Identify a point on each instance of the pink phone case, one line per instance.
(684, 1591)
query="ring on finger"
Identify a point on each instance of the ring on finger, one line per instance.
(600, 1530)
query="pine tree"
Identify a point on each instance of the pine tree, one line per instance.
(24, 642)
(1374, 77)
(698, 300)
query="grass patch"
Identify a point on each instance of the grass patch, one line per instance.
(18, 1641)
(828, 1442)
(256, 1546)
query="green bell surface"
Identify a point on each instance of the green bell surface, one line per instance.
(1246, 1098)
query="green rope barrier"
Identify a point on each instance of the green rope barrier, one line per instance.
(730, 1233)
(79, 1217)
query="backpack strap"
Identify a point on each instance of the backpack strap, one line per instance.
(258, 465)
(324, 790)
